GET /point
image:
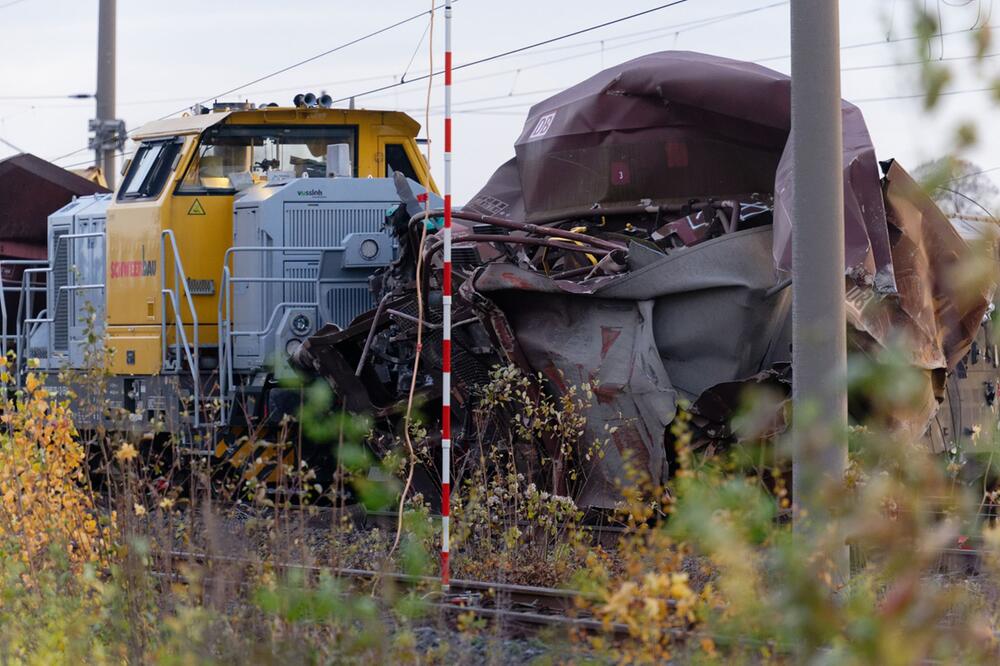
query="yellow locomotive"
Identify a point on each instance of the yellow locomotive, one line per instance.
(235, 233)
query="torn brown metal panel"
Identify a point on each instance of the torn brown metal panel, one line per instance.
(639, 239)
(925, 255)
(683, 321)
(673, 126)
(928, 315)
(575, 340)
(712, 317)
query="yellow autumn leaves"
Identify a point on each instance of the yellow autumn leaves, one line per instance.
(126, 452)
(652, 610)
(651, 600)
(45, 502)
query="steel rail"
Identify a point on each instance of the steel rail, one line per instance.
(461, 604)
(547, 597)
(551, 606)
(462, 595)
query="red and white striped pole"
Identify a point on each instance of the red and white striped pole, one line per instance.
(446, 316)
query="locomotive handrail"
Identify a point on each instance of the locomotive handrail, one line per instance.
(51, 319)
(180, 278)
(271, 321)
(15, 287)
(25, 305)
(191, 359)
(277, 248)
(225, 308)
(225, 349)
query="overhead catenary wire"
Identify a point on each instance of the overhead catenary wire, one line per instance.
(575, 56)
(10, 145)
(312, 58)
(489, 112)
(492, 98)
(969, 199)
(126, 153)
(684, 26)
(430, 74)
(973, 174)
(75, 152)
(944, 93)
(416, 49)
(860, 100)
(505, 54)
(518, 70)
(694, 24)
(496, 109)
(267, 91)
(886, 65)
(881, 42)
(295, 65)
(759, 60)
(656, 33)
(690, 25)
(521, 49)
(680, 27)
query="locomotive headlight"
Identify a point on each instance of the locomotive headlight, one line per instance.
(301, 324)
(369, 249)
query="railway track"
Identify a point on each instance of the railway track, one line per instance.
(321, 517)
(524, 605)
(509, 603)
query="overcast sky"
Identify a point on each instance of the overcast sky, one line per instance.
(171, 54)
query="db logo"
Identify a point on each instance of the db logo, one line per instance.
(542, 128)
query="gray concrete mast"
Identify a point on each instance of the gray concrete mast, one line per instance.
(819, 339)
(109, 132)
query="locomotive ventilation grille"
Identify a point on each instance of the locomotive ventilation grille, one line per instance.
(328, 227)
(60, 278)
(347, 302)
(323, 226)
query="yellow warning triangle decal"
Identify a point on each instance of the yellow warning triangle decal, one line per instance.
(196, 208)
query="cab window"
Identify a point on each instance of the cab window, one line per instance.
(396, 159)
(150, 169)
(233, 155)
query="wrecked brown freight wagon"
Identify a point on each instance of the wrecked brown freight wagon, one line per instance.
(639, 242)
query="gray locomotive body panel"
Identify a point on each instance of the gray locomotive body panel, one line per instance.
(281, 235)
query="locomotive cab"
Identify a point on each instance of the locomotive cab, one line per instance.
(175, 206)
(162, 273)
